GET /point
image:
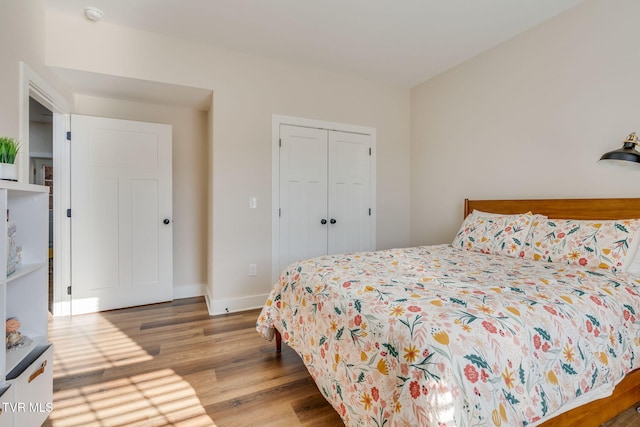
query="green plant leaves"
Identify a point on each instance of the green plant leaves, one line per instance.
(9, 148)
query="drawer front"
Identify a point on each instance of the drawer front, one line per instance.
(34, 389)
(7, 406)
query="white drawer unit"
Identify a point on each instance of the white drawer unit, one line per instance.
(26, 383)
(32, 381)
(7, 406)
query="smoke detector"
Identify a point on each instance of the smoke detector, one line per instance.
(93, 13)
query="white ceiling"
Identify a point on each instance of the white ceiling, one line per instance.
(399, 42)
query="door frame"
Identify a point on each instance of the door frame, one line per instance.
(276, 121)
(34, 86)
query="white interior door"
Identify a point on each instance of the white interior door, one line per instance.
(349, 202)
(303, 193)
(121, 205)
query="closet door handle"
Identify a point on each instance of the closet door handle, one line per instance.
(333, 221)
(323, 221)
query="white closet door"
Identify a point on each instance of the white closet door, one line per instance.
(349, 200)
(303, 193)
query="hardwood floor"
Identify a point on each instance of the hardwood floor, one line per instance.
(174, 365)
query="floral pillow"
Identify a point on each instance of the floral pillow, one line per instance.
(493, 234)
(589, 243)
(527, 245)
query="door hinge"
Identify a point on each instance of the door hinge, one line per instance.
(369, 211)
(68, 213)
(69, 136)
(69, 290)
(280, 142)
(279, 212)
(369, 150)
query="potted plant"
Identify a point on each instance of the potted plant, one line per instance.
(9, 148)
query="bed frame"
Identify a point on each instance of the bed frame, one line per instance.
(561, 208)
(627, 392)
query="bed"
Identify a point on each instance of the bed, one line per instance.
(522, 329)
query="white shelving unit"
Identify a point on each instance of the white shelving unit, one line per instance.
(26, 385)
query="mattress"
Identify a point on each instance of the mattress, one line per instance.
(439, 336)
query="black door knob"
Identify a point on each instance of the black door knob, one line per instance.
(333, 221)
(166, 221)
(323, 221)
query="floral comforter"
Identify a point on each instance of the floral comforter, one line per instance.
(437, 336)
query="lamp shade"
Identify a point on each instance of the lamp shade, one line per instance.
(627, 156)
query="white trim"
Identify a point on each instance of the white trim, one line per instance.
(320, 124)
(208, 294)
(61, 224)
(207, 301)
(278, 120)
(234, 305)
(34, 86)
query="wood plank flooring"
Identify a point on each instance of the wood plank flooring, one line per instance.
(174, 365)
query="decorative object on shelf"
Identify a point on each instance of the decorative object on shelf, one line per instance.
(15, 338)
(627, 156)
(12, 250)
(9, 149)
(18, 256)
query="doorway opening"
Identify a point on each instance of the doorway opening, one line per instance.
(41, 166)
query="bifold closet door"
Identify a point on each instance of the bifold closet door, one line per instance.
(303, 193)
(324, 193)
(349, 201)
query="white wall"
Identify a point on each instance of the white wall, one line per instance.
(190, 185)
(528, 119)
(247, 92)
(22, 29)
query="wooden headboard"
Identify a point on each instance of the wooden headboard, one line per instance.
(620, 208)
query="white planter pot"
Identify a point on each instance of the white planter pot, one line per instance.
(8, 171)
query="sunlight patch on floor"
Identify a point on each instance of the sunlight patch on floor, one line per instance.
(90, 346)
(83, 347)
(157, 398)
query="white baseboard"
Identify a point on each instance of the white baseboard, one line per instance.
(63, 308)
(233, 305)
